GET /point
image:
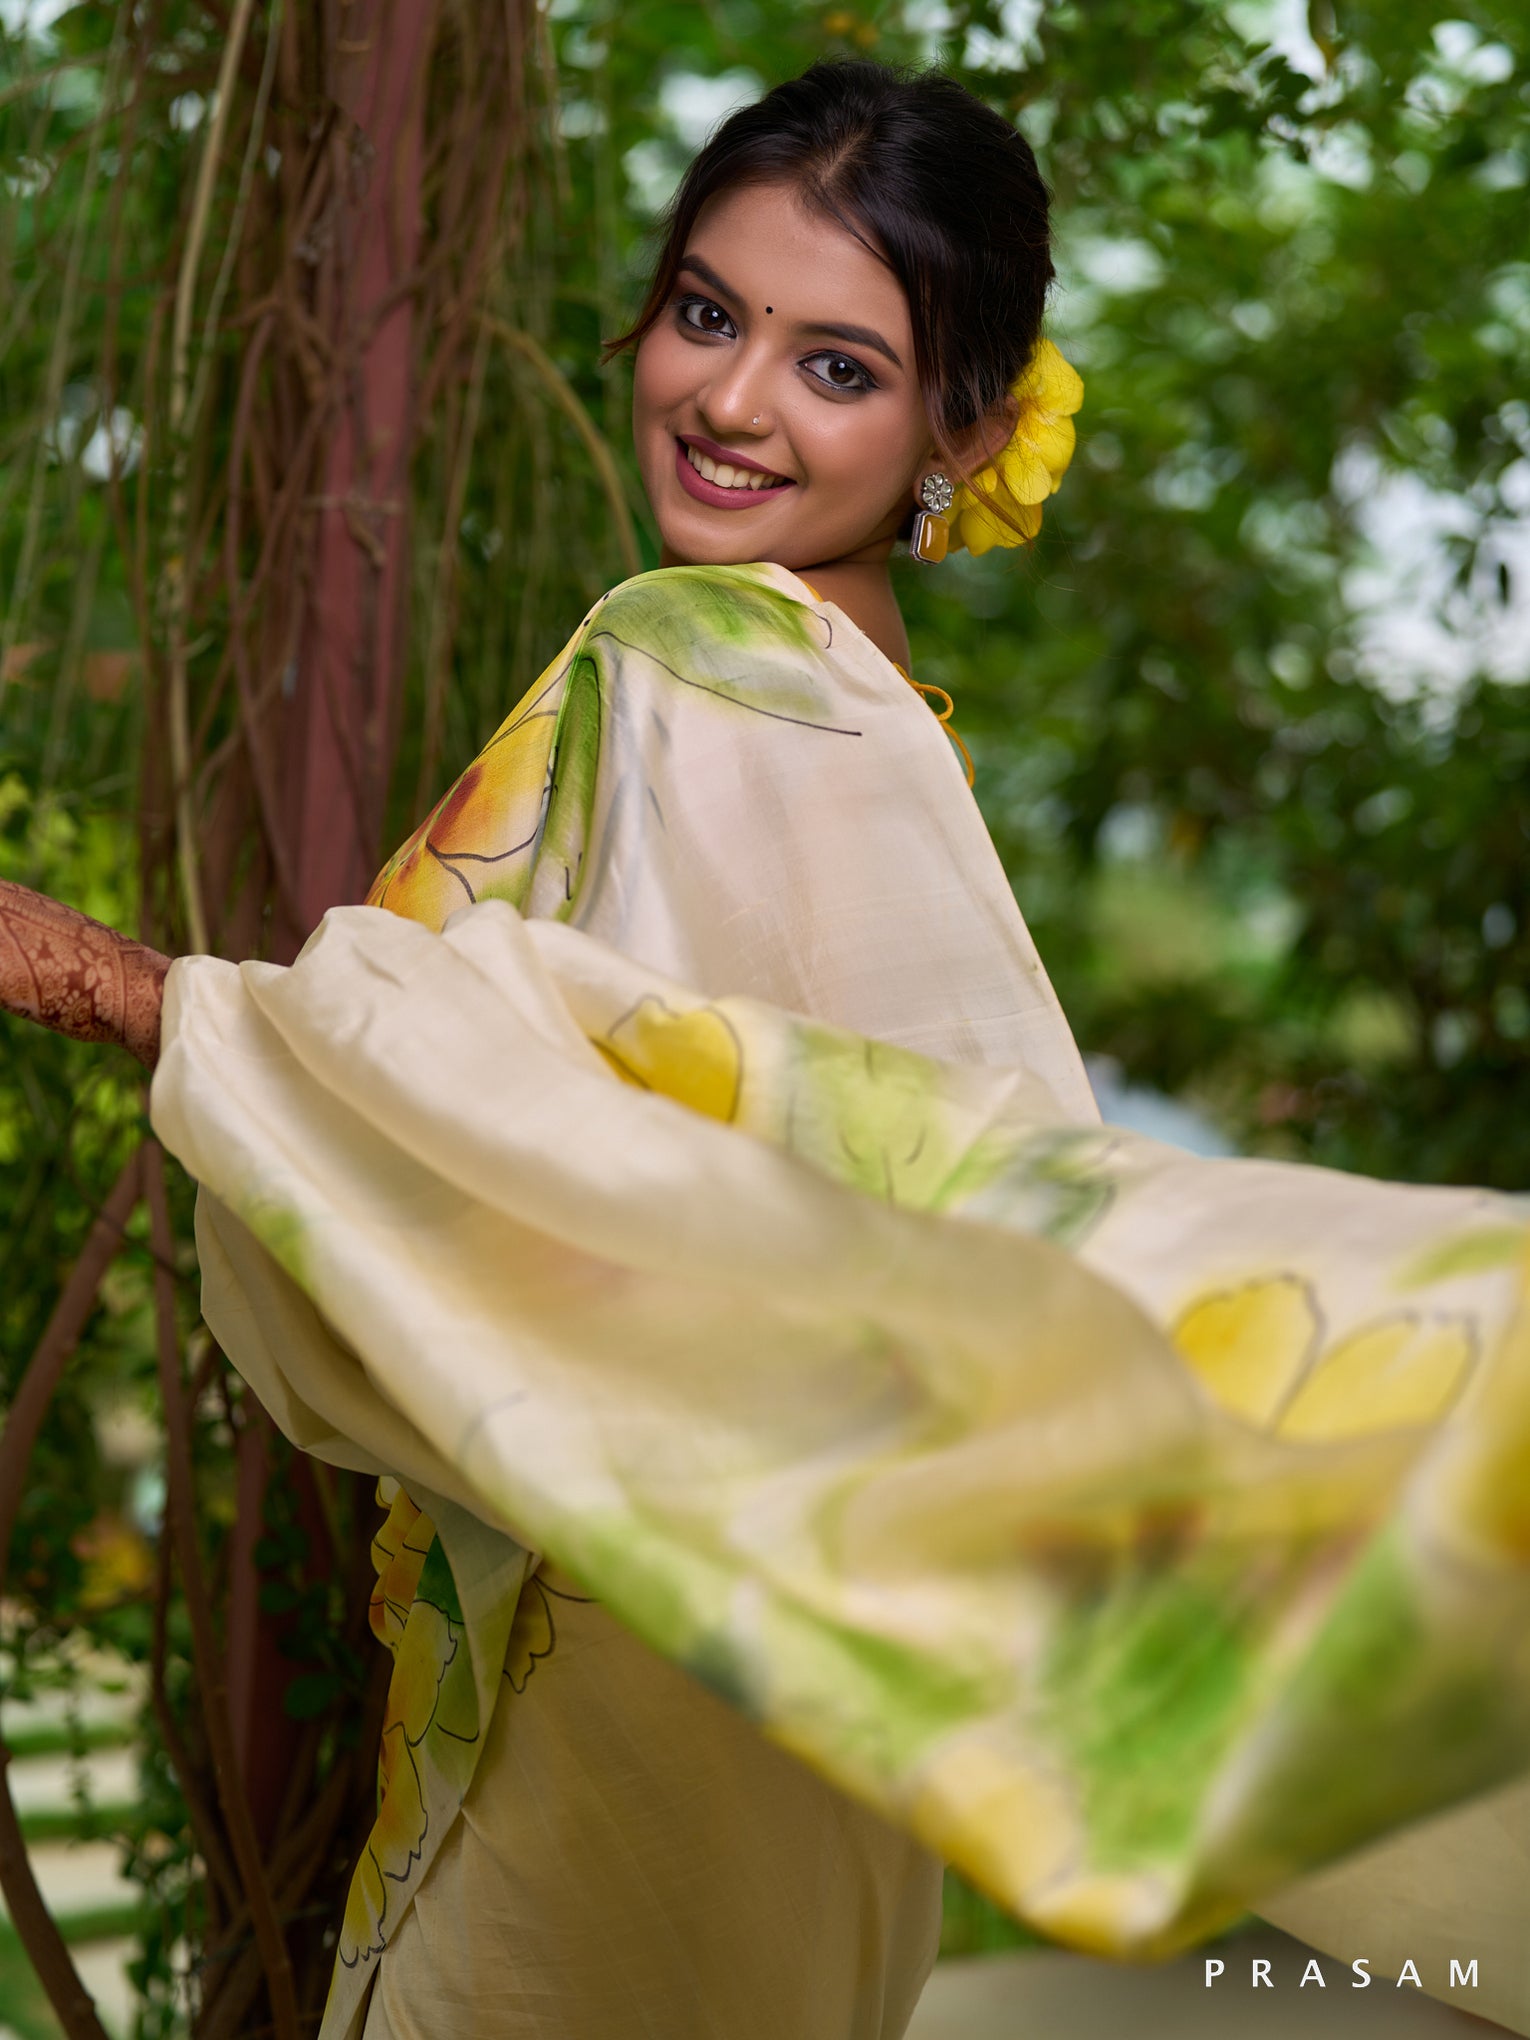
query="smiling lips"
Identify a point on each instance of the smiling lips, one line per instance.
(725, 485)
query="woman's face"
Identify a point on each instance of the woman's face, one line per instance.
(785, 359)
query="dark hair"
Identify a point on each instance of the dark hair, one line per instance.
(934, 182)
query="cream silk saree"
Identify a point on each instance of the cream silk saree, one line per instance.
(686, 1197)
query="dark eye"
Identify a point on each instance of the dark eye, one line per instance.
(840, 372)
(703, 316)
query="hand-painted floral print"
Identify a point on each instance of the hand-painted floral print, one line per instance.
(1138, 1531)
(430, 1732)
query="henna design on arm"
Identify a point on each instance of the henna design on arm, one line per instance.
(70, 973)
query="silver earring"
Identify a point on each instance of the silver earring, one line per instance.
(930, 538)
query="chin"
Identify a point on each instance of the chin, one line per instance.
(689, 547)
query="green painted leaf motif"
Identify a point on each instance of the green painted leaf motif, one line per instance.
(1472, 1253)
(1143, 1692)
(696, 620)
(890, 1702)
(437, 1585)
(1378, 1673)
(576, 761)
(1057, 1184)
(873, 1116)
(282, 1233)
(728, 607)
(672, 1595)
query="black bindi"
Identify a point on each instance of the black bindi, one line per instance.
(770, 308)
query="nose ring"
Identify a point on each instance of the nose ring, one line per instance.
(755, 419)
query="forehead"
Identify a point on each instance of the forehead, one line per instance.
(772, 249)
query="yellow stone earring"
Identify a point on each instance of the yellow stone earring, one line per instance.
(930, 538)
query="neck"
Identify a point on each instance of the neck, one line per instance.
(863, 589)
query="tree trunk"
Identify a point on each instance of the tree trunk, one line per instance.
(340, 729)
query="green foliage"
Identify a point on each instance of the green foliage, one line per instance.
(1273, 863)
(1180, 721)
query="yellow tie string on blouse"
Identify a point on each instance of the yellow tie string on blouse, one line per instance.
(927, 688)
(942, 716)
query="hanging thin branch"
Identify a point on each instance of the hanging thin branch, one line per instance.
(335, 378)
(24, 1901)
(182, 418)
(566, 397)
(211, 1675)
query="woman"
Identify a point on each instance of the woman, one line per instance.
(712, 1229)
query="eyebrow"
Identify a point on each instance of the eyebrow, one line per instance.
(857, 336)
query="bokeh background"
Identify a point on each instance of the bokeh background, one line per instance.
(1251, 722)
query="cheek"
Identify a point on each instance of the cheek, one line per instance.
(864, 454)
(659, 378)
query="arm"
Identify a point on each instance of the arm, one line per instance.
(69, 973)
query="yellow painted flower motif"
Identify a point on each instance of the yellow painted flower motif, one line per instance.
(1485, 1484)
(1251, 1345)
(695, 1057)
(398, 1551)
(1399, 1371)
(477, 842)
(480, 840)
(1030, 467)
(430, 1725)
(1259, 1350)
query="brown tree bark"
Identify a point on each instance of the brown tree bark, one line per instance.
(318, 333)
(340, 729)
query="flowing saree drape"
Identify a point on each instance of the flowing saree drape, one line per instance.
(691, 1180)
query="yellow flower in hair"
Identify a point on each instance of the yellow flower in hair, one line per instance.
(1029, 467)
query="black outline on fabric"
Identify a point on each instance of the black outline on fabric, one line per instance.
(434, 852)
(1324, 1346)
(533, 714)
(455, 1631)
(539, 1657)
(577, 1600)
(484, 856)
(416, 1854)
(1312, 1352)
(771, 714)
(812, 609)
(689, 1012)
(448, 859)
(377, 1597)
(372, 1949)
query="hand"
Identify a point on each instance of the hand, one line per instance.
(71, 974)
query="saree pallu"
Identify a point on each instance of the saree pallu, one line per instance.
(700, 1191)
